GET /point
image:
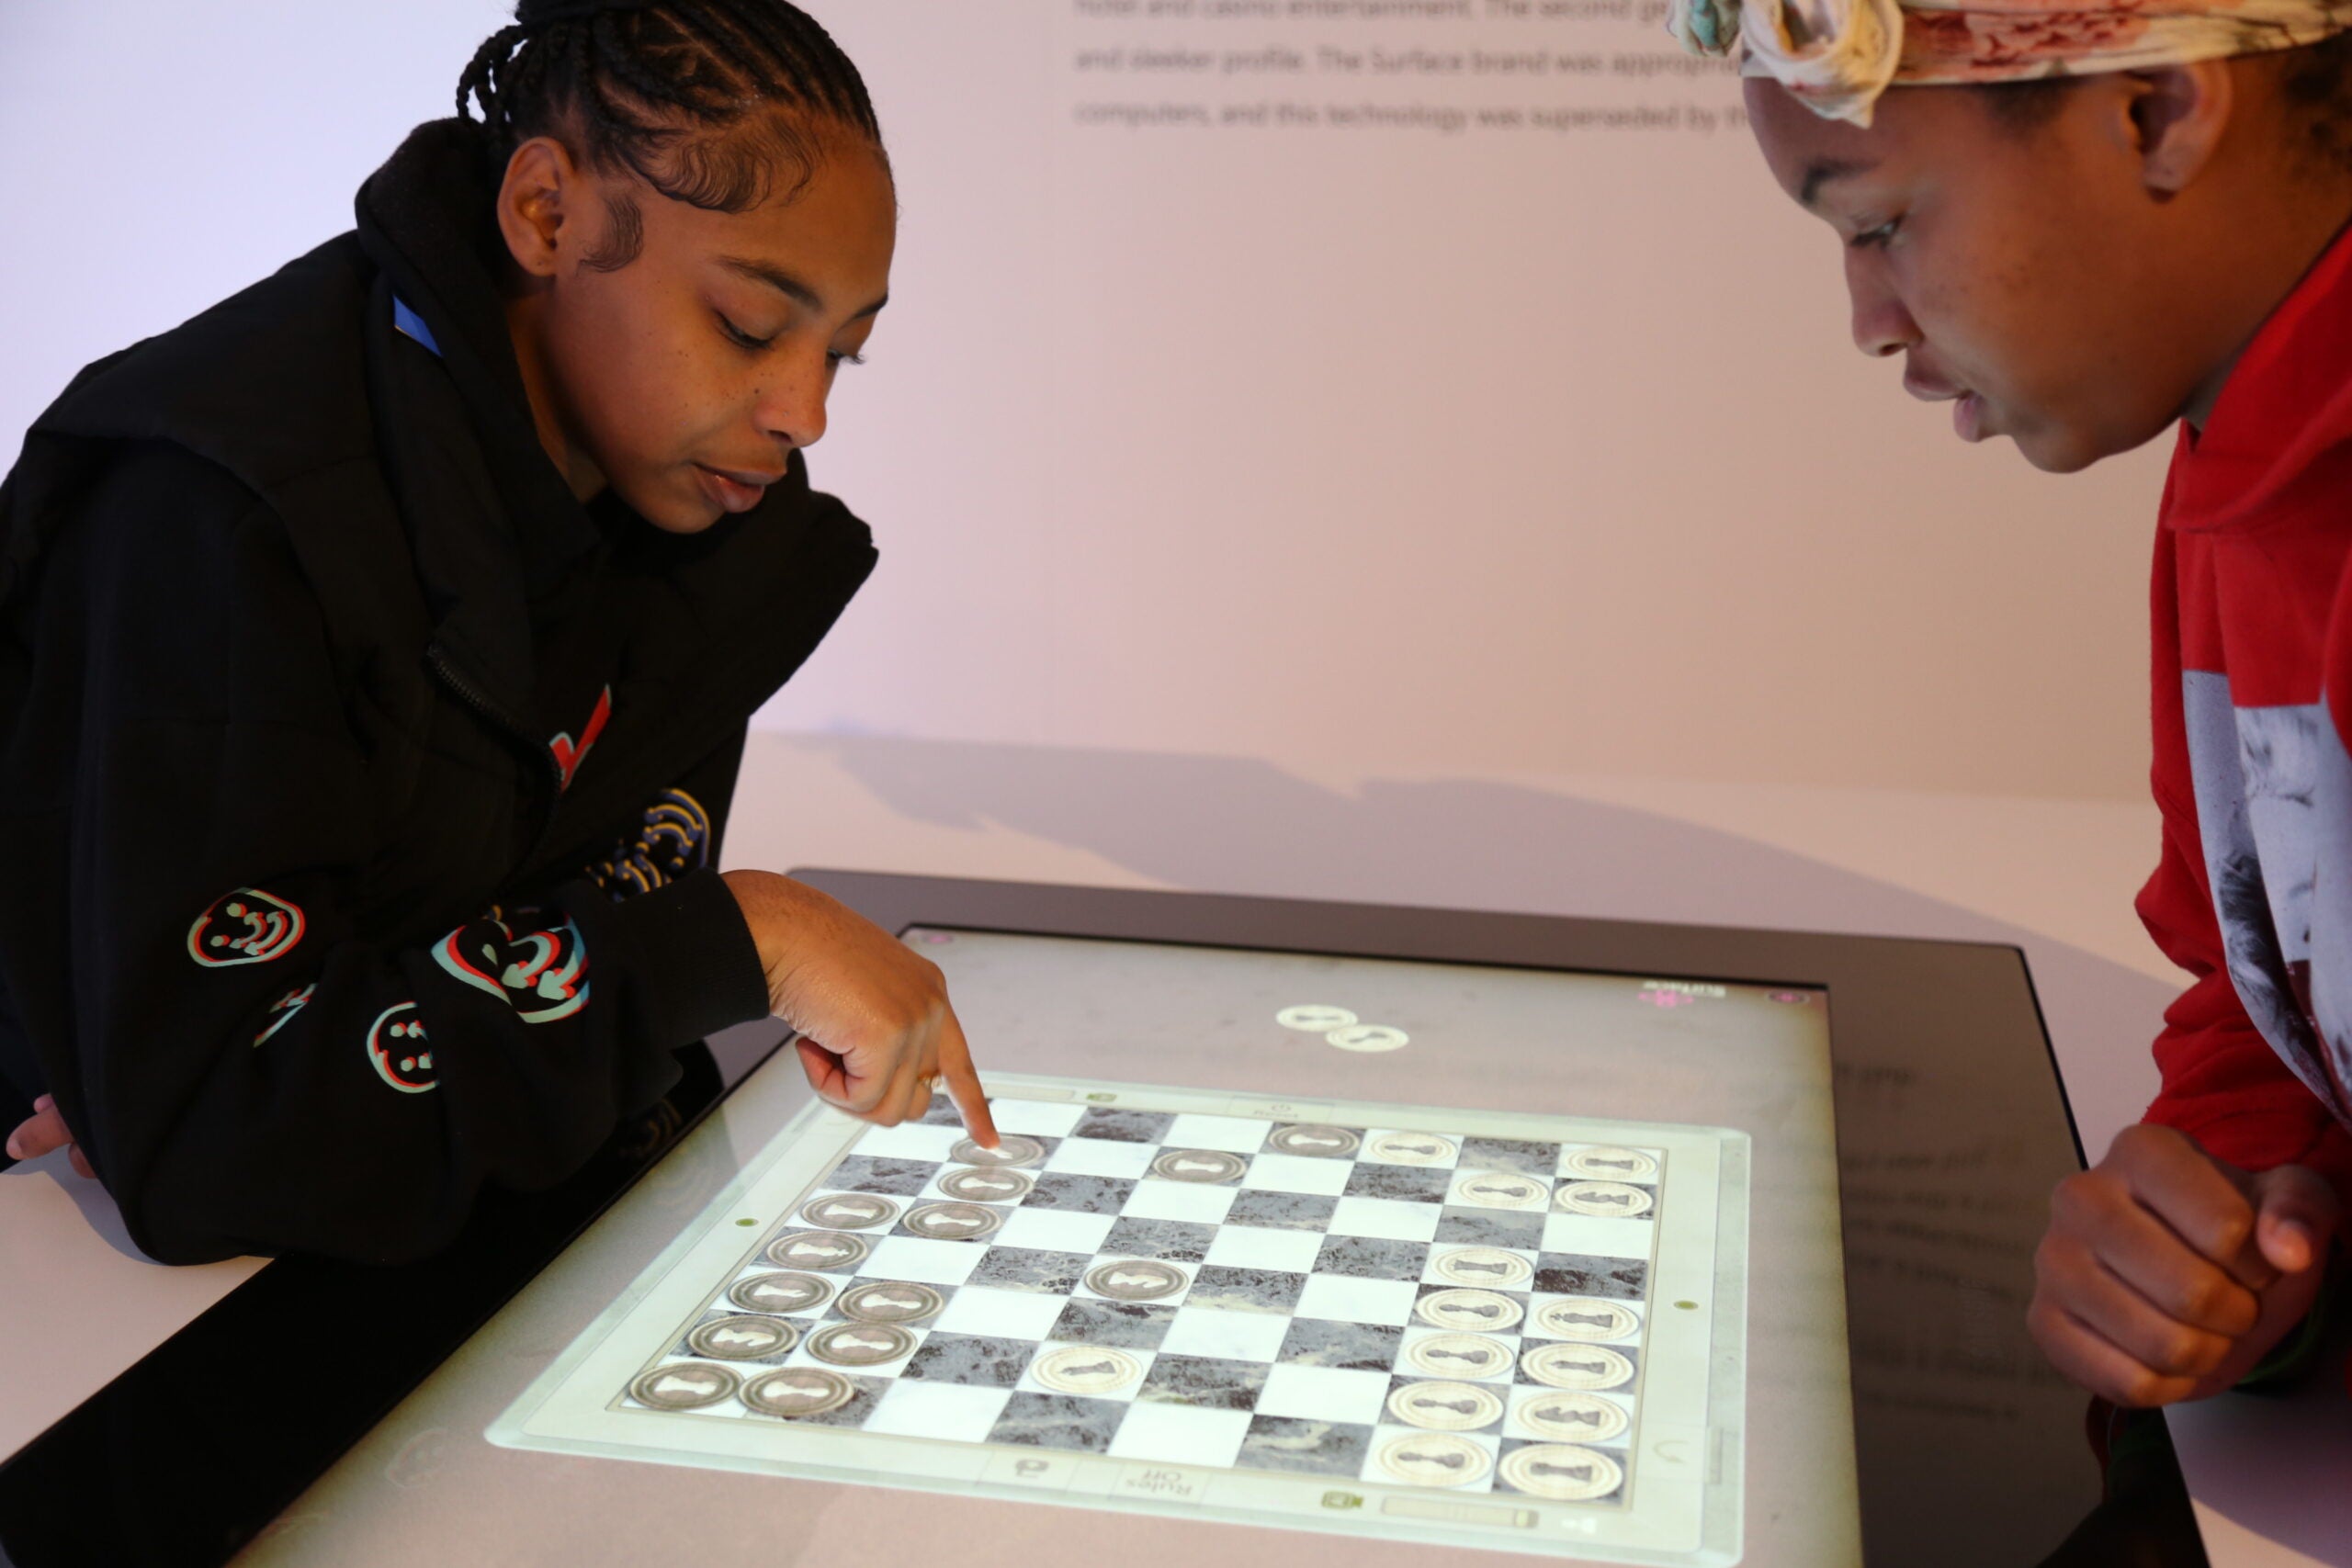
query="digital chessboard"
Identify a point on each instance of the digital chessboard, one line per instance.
(1469, 1327)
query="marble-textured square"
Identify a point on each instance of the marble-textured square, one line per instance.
(1324, 1393)
(1403, 1183)
(1572, 1274)
(1281, 1211)
(914, 1258)
(939, 1411)
(1180, 1434)
(1540, 1160)
(1506, 1488)
(1122, 1325)
(975, 1360)
(1493, 1228)
(1386, 1217)
(1231, 1134)
(1226, 1336)
(1030, 1268)
(866, 1173)
(1341, 1345)
(1345, 1299)
(1058, 1421)
(1055, 1230)
(1187, 1201)
(1596, 1236)
(1298, 1173)
(1202, 1381)
(1246, 1247)
(1124, 1126)
(1012, 1314)
(1172, 1239)
(1085, 1194)
(1371, 1258)
(1245, 1290)
(1304, 1446)
(1441, 1405)
(1097, 1157)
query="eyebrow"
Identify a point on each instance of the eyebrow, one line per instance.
(791, 287)
(1821, 170)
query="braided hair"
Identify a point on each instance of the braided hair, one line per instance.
(720, 104)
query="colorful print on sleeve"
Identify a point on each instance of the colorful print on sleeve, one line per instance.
(541, 974)
(247, 925)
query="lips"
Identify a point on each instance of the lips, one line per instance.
(733, 490)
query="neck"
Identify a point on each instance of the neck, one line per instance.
(2268, 276)
(524, 326)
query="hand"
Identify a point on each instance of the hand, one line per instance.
(2168, 1274)
(874, 1025)
(43, 1131)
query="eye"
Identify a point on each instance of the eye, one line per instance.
(740, 338)
(1877, 238)
(838, 360)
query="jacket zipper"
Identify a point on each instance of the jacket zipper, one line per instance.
(504, 722)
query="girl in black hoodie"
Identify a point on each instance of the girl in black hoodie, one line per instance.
(376, 650)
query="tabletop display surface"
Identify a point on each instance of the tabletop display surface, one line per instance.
(1471, 1328)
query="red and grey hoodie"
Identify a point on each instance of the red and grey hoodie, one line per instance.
(361, 788)
(2253, 665)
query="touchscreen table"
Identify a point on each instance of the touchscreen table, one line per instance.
(1452, 1325)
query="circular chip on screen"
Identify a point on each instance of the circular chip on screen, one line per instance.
(1411, 1148)
(955, 1222)
(1576, 1366)
(1368, 1039)
(1457, 1355)
(985, 1184)
(890, 1301)
(1087, 1370)
(1209, 1167)
(1011, 1149)
(819, 1249)
(860, 1344)
(1135, 1280)
(1313, 1018)
(1611, 1164)
(683, 1386)
(743, 1339)
(1314, 1139)
(799, 1390)
(1604, 1200)
(1576, 1418)
(781, 1293)
(1562, 1472)
(1445, 1406)
(1433, 1459)
(1498, 1190)
(1585, 1317)
(1475, 1311)
(848, 1211)
(1489, 1266)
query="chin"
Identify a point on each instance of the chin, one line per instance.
(671, 513)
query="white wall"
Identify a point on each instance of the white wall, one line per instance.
(1516, 449)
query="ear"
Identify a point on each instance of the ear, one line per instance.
(541, 189)
(2179, 115)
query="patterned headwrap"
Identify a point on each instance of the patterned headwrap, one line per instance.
(1838, 56)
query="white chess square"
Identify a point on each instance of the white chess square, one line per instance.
(1298, 1173)
(1124, 1394)
(1180, 1434)
(1102, 1157)
(1249, 1247)
(1390, 1219)
(1230, 1336)
(1187, 1201)
(1233, 1135)
(1001, 1314)
(1598, 1237)
(1055, 1230)
(921, 1259)
(953, 1413)
(1324, 1393)
(1385, 1435)
(1372, 1134)
(1038, 1118)
(908, 1140)
(1085, 1292)
(1347, 1299)
(1416, 1332)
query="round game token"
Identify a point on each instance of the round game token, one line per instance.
(1012, 1149)
(1087, 1369)
(1411, 1148)
(848, 1211)
(743, 1339)
(819, 1249)
(1480, 1312)
(1314, 1138)
(1562, 1472)
(891, 1301)
(1315, 1020)
(1576, 1366)
(799, 1390)
(683, 1385)
(1458, 1355)
(987, 1184)
(1445, 1406)
(860, 1344)
(1499, 1190)
(1586, 1317)
(1604, 1199)
(1611, 1164)
(782, 1293)
(1210, 1167)
(1369, 1038)
(1433, 1459)
(1135, 1280)
(1578, 1417)
(955, 1222)
(1488, 1266)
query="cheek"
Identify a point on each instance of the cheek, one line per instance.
(642, 390)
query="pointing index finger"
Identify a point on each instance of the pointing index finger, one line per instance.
(963, 1084)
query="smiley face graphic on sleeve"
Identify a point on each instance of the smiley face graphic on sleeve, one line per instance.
(401, 1053)
(247, 925)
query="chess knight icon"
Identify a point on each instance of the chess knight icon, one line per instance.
(247, 925)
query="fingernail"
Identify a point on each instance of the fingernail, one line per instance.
(44, 1102)
(12, 1147)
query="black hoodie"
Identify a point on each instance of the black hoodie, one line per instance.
(359, 788)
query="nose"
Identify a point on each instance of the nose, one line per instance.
(791, 408)
(1883, 323)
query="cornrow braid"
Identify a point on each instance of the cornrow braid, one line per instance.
(721, 104)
